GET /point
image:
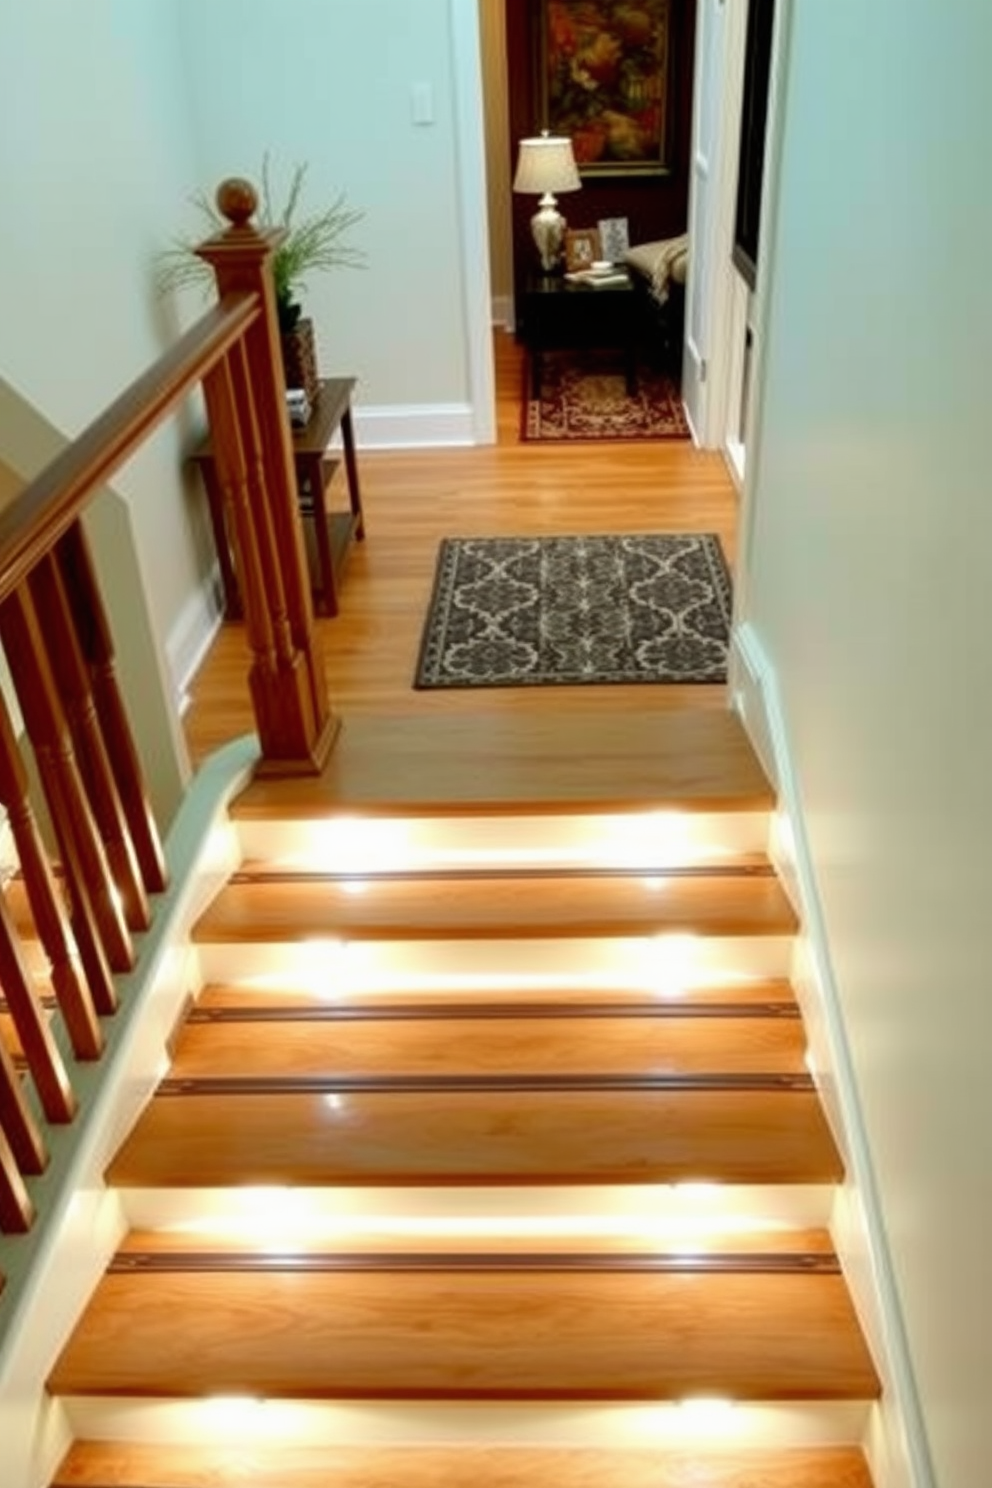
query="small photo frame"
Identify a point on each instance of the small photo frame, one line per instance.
(581, 249)
(614, 238)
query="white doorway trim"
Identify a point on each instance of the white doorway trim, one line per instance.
(470, 149)
(721, 31)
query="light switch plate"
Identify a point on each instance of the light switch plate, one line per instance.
(422, 103)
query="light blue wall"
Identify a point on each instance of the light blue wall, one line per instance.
(868, 582)
(95, 151)
(113, 111)
(330, 83)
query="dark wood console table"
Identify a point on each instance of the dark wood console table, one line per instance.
(315, 470)
(556, 312)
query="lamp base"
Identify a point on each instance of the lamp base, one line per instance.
(548, 227)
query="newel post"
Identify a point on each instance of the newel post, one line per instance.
(253, 452)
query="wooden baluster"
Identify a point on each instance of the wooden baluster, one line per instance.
(44, 1060)
(16, 1209)
(269, 636)
(232, 477)
(72, 680)
(56, 936)
(241, 260)
(261, 514)
(79, 577)
(16, 1121)
(97, 916)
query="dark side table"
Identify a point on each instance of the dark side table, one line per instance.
(556, 312)
(315, 470)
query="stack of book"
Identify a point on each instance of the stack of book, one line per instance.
(599, 278)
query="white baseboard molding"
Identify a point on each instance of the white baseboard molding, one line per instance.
(735, 459)
(52, 1272)
(415, 425)
(192, 635)
(693, 435)
(503, 313)
(896, 1441)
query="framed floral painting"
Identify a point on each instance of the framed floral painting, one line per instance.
(604, 75)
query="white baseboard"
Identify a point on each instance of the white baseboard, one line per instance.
(410, 426)
(503, 312)
(692, 428)
(192, 635)
(896, 1442)
(735, 458)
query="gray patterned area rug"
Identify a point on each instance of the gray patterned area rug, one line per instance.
(536, 611)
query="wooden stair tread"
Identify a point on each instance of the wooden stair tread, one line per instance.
(691, 759)
(501, 1137)
(457, 1333)
(138, 1465)
(775, 993)
(291, 909)
(473, 1043)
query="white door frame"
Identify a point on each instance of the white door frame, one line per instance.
(709, 292)
(470, 164)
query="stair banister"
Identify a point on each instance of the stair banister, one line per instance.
(83, 900)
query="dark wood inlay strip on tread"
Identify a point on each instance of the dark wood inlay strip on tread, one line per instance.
(221, 1085)
(489, 1011)
(156, 1262)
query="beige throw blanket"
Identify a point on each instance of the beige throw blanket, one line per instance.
(662, 264)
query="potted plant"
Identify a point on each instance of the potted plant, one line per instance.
(314, 241)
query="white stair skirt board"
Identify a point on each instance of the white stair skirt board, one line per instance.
(75, 1237)
(899, 1455)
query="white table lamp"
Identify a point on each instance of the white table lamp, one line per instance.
(546, 165)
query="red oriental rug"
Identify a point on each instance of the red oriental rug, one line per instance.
(584, 396)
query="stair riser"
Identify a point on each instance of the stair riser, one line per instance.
(666, 965)
(331, 1423)
(371, 845)
(688, 1210)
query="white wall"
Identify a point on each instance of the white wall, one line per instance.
(95, 154)
(867, 579)
(331, 84)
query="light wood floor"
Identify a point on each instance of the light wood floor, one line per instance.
(413, 498)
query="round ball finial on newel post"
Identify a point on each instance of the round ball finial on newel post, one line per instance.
(237, 200)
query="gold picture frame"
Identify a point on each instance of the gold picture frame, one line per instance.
(581, 249)
(605, 79)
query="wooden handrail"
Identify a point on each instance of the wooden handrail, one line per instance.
(43, 512)
(87, 901)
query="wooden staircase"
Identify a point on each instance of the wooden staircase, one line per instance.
(488, 1152)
